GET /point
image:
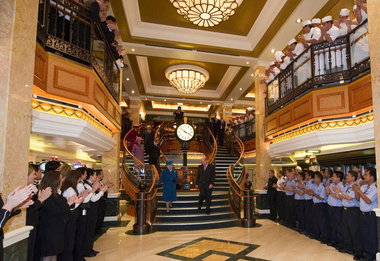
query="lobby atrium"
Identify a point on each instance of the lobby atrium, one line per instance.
(189, 130)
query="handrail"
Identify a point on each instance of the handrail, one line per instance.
(214, 148)
(125, 144)
(156, 135)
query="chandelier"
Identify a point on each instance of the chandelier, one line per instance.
(206, 13)
(187, 78)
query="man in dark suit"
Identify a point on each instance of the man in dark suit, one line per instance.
(221, 129)
(205, 183)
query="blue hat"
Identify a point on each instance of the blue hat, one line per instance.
(169, 162)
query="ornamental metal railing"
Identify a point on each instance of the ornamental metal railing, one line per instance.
(245, 131)
(321, 65)
(65, 28)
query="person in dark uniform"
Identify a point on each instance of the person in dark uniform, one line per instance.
(272, 194)
(309, 190)
(289, 186)
(169, 179)
(32, 213)
(54, 214)
(367, 196)
(221, 130)
(205, 183)
(320, 209)
(92, 213)
(210, 123)
(102, 201)
(299, 199)
(178, 115)
(352, 242)
(154, 158)
(281, 197)
(148, 140)
(69, 189)
(335, 209)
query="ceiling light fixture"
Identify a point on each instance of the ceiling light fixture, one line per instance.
(299, 20)
(127, 79)
(273, 50)
(206, 13)
(187, 78)
(133, 92)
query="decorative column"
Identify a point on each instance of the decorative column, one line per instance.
(263, 161)
(227, 112)
(374, 41)
(135, 110)
(18, 25)
(111, 170)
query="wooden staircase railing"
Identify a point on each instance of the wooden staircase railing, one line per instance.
(241, 196)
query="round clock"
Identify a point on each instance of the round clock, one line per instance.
(185, 132)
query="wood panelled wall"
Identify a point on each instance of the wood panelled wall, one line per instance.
(65, 80)
(321, 104)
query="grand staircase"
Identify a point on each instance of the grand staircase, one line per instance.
(185, 214)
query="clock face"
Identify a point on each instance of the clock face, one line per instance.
(185, 132)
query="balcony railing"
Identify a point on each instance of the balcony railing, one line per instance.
(321, 65)
(245, 131)
(65, 27)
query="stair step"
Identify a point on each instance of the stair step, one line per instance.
(195, 226)
(193, 210)
(171, 218)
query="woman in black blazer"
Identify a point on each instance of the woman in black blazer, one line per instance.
(32, 213)
(54, 214)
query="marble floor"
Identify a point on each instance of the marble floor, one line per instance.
(270, 241)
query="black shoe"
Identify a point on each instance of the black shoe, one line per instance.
(199, 207)
(90, 255)
(207, 211)
(95, 251)
(358, 257)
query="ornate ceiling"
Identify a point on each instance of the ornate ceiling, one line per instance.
(156, 37)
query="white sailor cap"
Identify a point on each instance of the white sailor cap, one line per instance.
(278, 55)
(307, 22)
(316, 21)
(344, 12)
(327, 19)
(292, 41)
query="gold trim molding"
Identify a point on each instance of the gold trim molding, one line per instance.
(69, 112)
(325, 125)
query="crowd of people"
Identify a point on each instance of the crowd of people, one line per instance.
(217, 127)
(319, 30)
(249, 115)
(65, 207)
(330, 206)
(141, 142)
(109, 27)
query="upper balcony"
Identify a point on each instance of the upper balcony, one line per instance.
(322, 65)
(65, 28)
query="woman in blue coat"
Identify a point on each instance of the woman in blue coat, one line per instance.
(169, 179)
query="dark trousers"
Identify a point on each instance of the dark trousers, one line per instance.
(320, 221)
(69, 237)
(79, 236)
(90, 228)
(335, 217)
(290, 216)
(221, 137)
(368, 228)
(205, 194)
(31, 244)
(272, 196)
(351, 231)
(101, 213)
(309, 217)
(281, 205)
(300, 213)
